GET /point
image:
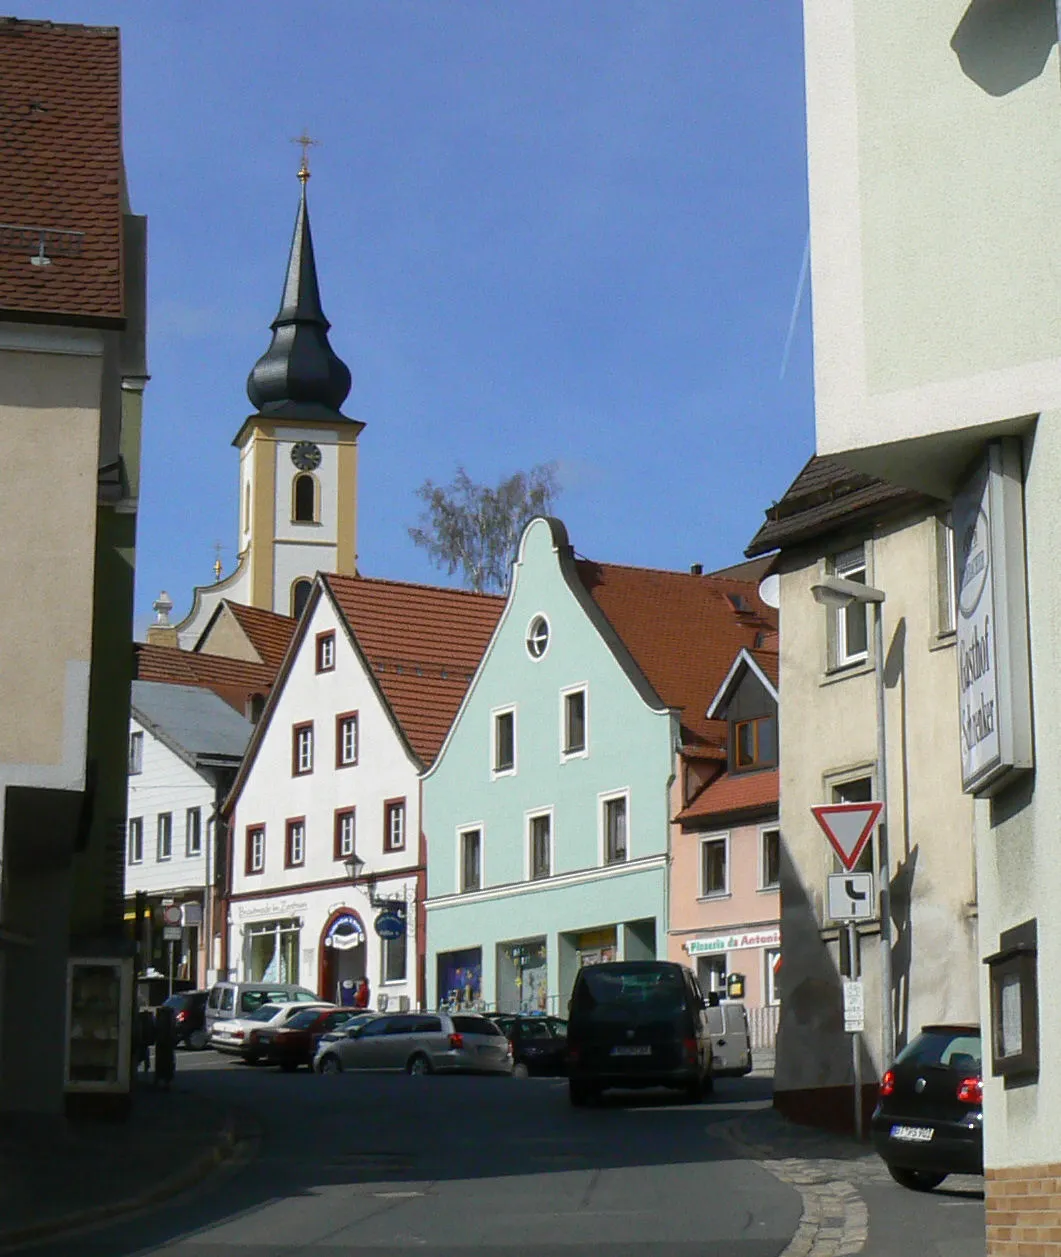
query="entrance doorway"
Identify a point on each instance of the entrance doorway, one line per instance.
(343, 957)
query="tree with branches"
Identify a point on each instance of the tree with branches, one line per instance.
(475, 528)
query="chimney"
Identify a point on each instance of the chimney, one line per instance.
(697, 569)
(162, 633)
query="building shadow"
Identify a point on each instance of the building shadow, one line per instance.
(1002, 45)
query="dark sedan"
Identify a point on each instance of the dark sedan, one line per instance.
(189, 1018)
(928, 1122)
(539, 1044)
(295, 1043)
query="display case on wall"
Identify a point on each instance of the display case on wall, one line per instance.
(98, 1023)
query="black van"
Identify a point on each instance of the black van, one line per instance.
(637, 1023)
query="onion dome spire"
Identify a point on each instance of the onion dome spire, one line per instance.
(300, 376)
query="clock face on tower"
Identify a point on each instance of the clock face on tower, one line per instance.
(306, 456)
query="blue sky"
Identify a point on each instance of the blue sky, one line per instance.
(563, 230)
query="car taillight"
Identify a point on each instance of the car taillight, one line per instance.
(690, 1050)
(971, 1091)
(887, 1083)
(181, 1015)
(456, 1041)
(237, 1034)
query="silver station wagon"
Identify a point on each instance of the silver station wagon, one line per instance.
(420, 1043)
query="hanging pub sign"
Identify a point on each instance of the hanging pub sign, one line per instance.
(390, 925)
(994, 680)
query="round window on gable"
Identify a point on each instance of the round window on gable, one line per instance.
(538, 637)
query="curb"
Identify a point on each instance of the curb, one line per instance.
(222, 1150)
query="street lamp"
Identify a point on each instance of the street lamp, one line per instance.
(355, 870)
(835, 592)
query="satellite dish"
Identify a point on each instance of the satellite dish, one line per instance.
(770, 590)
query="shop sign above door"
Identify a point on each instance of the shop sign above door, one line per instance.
(389, 925)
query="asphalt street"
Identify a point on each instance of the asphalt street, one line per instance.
(471, 1166)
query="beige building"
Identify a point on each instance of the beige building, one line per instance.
(934, 138)
(72, 372)
(836, 522)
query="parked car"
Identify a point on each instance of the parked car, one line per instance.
(293, 1042)
(928, 1122)
(539, 1044)
(240, 1036)
(189, 1018)
(236, 999)
(358, 1019)
(731, 1047)
(637, 1023)
(420, 1043)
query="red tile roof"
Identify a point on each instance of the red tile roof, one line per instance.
(734, 792)
(234, 680)
(683, 631)
(767, 659)
(267, 631)
(60, 148)
(424, 645)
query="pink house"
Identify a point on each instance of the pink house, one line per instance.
(725, 905)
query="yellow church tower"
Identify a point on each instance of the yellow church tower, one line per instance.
(297, 457)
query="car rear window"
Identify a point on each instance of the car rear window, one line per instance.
(306, 1018)
(228, 996)
(304, 997)
(954, 1049)
(266, 1013)
(475, 1025)
(660, 990)
(250, 1000)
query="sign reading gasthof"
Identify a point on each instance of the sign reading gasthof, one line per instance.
(994, 684)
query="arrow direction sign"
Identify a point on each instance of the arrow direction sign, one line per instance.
(848, 827)
(851, 897)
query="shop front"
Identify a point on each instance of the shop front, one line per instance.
(460, 978)
(523, 976)
(271, 950)
(743, 963)
(343, 956)
(597, 947)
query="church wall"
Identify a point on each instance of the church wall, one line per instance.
(327, 485)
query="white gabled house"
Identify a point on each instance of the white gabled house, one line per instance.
(325, 833)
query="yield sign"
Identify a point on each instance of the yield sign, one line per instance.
(848, 827)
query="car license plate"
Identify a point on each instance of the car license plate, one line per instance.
(913, 1134)
(643, 1050)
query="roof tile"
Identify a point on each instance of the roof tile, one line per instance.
(268, 632)
(234, 680)
(734, 792)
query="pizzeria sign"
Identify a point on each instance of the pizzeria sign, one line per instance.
(738, 941)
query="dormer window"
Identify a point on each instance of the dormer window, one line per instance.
(754, 743)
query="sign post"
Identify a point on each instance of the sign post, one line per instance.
(171, 933)
(855, 1019)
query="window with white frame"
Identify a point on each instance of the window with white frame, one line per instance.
(136, 840)
(296, 843)
(855, 790)
(504, 741)
(302, 749)
(393, 959)
(850, 625)
(164, 831)
(614, 813)
(946, 589)
(540, 839)
(538, 637)
(471, 859)
(394, 825)
(714, 866)
(345, 833)
(193, 831)
(325, 652)
(255, 856)
(346, 739)
(769, 858)
(573, 734)
(136, 752)
(772, 975)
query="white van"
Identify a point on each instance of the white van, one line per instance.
(237, 999)
(731, 1049)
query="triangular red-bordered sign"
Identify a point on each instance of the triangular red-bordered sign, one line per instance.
(848, 827)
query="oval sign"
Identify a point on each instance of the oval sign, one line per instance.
(389, 925)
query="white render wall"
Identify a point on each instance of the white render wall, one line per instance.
(271, 795)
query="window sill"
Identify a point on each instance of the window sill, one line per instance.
(842, 672)
(714, 896)
(772, 889)
(497, 773)
(395, 982)
(608, 864)
(568, 755)
(306, 523)
(351, 763)
(944, 641)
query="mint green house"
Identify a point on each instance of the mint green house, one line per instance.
(546, 814)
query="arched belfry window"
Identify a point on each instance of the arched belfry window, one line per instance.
(305, 499)
(300, 595)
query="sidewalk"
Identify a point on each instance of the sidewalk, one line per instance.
(56, 1174)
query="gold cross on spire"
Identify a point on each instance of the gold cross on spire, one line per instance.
(307, 144)
(218, 569)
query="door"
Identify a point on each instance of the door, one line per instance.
(365, 1051)
(397, 1045)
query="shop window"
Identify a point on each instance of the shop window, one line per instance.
(573, 734)
(165, 836)
(1014, 982)
(255, 854)
(295, 845)
(393, 959)
(471, 859)
(755, 743)
(302, 749)
(193, 831)
(504, 741)
(136, 753)
(460, 978)
(136, 840)
(772, 975)
(345, 833)
(523, 977)
(711, 972)
(856, 790)
(394, 825)
(714, 866)
(769, 858)
(346, 739)
(613, 822)
(541, 845)
(325, 652)
(272, 951)
(848, 626)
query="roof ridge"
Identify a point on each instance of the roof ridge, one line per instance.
(405, 584)
(702, 578)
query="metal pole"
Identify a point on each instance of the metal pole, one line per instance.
(172, 954)
(883, 862)
(856, 1038)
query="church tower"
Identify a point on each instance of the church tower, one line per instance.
(297, 457)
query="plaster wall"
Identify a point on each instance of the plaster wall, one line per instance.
(828, 728)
